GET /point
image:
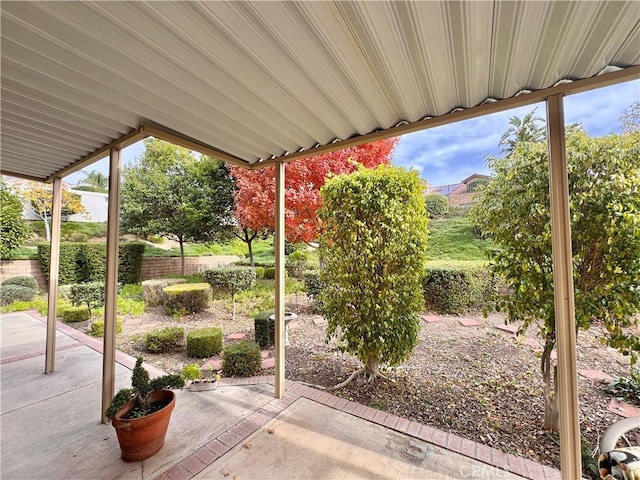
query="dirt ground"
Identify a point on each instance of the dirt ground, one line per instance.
(478, 382)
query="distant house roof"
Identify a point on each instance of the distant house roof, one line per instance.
(474, 176)
(446, 190)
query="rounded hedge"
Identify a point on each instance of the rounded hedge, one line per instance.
(437, 205)
(241, 359)
(23, 281)
(186, 298)
(75, 314)
(164, 340)
(204, 342)
(97, 327)
(11, 293)
(152, 290)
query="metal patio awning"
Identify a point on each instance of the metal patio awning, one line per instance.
(253, 81)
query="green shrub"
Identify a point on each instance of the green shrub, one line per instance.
(75, 314)
(259, 273)
(11, 293)
(312, 284)
(89, 294)
(476, 183)
(437, 205)
(77, 237)
(627, 388)
(152, 289)
(457, 287)
(186, 298)
(97, 327)
(296, 262)
(162, 340)
(205, 342)
(270, 273)
(264, 329)
(231, 280)
(191, 371)
(23, 281)
(241, 359)
(64, 292)
(85, 262)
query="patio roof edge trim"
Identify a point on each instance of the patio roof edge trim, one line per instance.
(457, 114)
(177, 138)
(22, 176)
(120, 143)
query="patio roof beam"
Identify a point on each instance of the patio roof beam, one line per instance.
(570, 449)
(111, 283)
(598, 81)
(54, 268)
(120, 143)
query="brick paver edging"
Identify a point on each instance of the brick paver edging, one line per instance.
(205, 456)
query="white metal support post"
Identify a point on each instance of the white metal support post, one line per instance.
(570, 450)
(111, 283)
(279, 281)
(54, 268)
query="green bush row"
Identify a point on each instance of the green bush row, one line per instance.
(85, 262)
(75, 314)
(457, 287)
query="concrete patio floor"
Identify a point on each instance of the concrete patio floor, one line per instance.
(50, 427)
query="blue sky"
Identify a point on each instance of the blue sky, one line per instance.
(448, 154)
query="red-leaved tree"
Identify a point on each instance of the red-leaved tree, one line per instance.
(255, 197)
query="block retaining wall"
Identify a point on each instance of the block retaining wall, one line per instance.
(151, 267)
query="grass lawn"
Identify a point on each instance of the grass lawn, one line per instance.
(452, 239)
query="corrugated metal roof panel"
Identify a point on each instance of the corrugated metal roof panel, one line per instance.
(259, 79)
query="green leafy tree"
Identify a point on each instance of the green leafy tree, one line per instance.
(39, 199)
(630, 118)
(95, 181)
(604, 186)
(172, 193)
(530, 128)
(374, 251)
(13, 229)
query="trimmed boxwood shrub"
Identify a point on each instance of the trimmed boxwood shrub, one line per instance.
(457, 287)
(314, 286)
(97, 327)
(296, 262)
(23, 281)
(204, 342)
(241, 359)
(152, 289)
(85, 262)
(437, 205)
(89, 294)
(265, 329)
(231, 280)
(75, 314)
(167, 339)
(186, 298)
(11, 293)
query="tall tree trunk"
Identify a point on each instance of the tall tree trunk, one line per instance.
(47, 228)
(182, 264)
(249, 244)
(372, 368)
(550, 388)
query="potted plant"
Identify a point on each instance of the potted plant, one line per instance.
(141, 414)
(200, 380)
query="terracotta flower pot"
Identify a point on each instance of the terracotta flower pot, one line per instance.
(143, 437)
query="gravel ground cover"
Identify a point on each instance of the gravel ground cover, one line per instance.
(478, 382)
